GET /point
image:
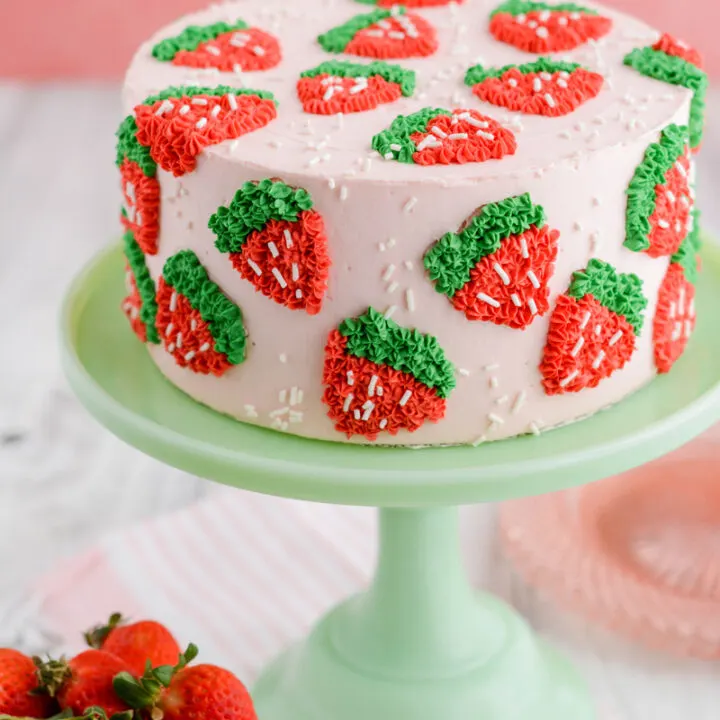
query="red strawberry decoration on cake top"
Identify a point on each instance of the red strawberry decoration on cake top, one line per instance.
(277, 242)
(180, 122)
(543, 87)
(496, 268)
(412, 3)
(592, 329)
(540, 27)
(342, 87)
(199, 326)
(381, 377)
(384, 35)
(670, 45)
(660, 198)
(139, 306)
(229, 47)
(675, 314)
(436, 136)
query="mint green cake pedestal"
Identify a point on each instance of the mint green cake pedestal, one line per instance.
(420, 644)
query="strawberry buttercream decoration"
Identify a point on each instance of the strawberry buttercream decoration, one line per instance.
(383, 34)
(383, 378)
(412, 3)
(229, 47)
(543, 87)
(276, 241)
(496, 268)
(540, 27)
(668, 62)
(342, 87)
(436, 136)
(179, 123)
(660, 197)
(671, 45)
(200, 327)
(675, 314)
(139, 306)
(593, 329)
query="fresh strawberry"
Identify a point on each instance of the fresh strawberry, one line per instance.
(381, 377)
(225, 46)
(541, 27)
(677, 48)
(544, 87)
(19, 683)
(136, 643)
(675, 314)
(383, 34)
(592, 329)
(85, 681)
(342, 87)
(435, 136)
(497, 267)
(180, 122)
(277, 242)
(199, 326)
(412, 3)
(660, 199)
(139, 306)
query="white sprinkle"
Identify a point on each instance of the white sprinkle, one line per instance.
(173, 302)
(259, 51)
(408, 264)
(213, 50)
(664, 224)
(201, 123)
(566, 381)
(169, 330)
(184, 110)
(396, 35)
(410, 300)
(485, 134)
(298, 293)
(598, 329)
(489, 368)
(518, 402)
(533, 306)
(232, 101)
(493, 382)
(165, 106)
(458, 136)
(673, 310)
(463, 372)
(470, 120)
(313, 161)
(562, 83)
(392, 287)
(254, 266)
(348, 402)
(199, 101)
(179, 340)
(565, 135)
(585, 320)
(516, 300)
(532, 24)
(171, 348)
(562, 21)
(406, 396)
(524, 247)
(390, 312)
(680, 168)
(282, 357)
(380, 390)
(578, 346)
(691, 309)
(204, 347)
(237, 69)
(534, 428)
(279, 278)
(388, 272)
(343, 193)
(537, 84)
(677, 331)
(282, 397)
(615, 338)
(189, 356)
(503, 275)
(359, 86)
(495, 419)
(273, 249)
(512, 82)
(688, 328)
(288, 238)
(598, 360)
(295, 272)
(332, 89)
(371, 386)
(395, 147)
(501, 400)
(410, 205)
(489, 300)
(295, 416)
(533, 279)
(549, 99)
(391, 242)
(368, 412)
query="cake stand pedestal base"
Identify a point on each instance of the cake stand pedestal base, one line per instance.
(421, 644)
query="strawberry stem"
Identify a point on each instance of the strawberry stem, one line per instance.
(51, 674)
(96, 636)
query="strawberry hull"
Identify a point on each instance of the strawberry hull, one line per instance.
(674, 318)
(141, 211)
(366, 398)
(288, 261)
(330, 95)
(586, 343)
(185, 335)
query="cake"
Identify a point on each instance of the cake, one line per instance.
(430, 223)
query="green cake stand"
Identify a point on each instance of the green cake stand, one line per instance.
(420, 644)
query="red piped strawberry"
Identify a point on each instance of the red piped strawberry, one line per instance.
(660, 197)
(435, 136)
(670, 45)
(141, 211)
(497, 267)
(139, 306)
(132, 305)
(540, 27)
(381, 377)
(19, 683)
(341, 87)
(540, 88)
(675, 314)
(277, 242)
(199, 326)
(592, 329)
(180, 123)
(383, 34)
(227, 47)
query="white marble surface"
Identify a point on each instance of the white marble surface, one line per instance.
(64, 481)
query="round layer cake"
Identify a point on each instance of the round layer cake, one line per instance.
(422, 224)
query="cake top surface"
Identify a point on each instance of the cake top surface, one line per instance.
(628, 106)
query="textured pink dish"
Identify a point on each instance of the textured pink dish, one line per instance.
(638, 553)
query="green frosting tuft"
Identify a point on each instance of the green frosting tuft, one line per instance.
(659, 158)
(217, 91)
(675, 71)
(400, 131)
(382, 341)
(191, 37)
(252, 207)
(184, 272)
(337, 39)
(619, 293)
(391, 73)
(450, 260)
(522, 7)
(129, 147)
(478, 73)
(145, 285)
(687, 254)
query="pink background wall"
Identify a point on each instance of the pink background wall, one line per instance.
(45, 39)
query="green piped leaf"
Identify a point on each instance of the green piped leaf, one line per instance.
(391, 73)
(129, 147)
(181, 91)
(522, 7)
(479, 73)
(191, 37)
(395, 143)
(337, 39)
(687, 254)
(145, 285)
(383, 341)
